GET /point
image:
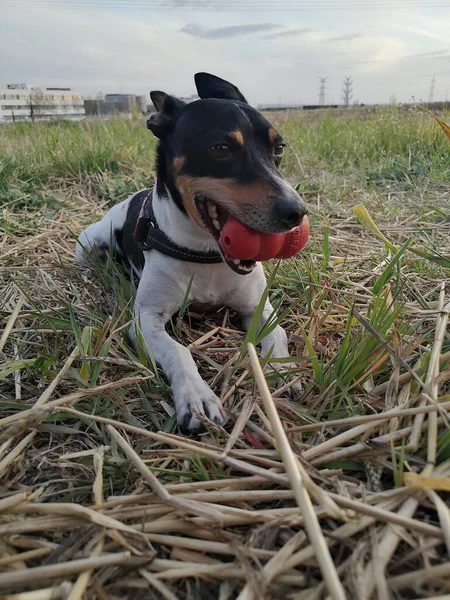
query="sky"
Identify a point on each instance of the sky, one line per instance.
(275, 51)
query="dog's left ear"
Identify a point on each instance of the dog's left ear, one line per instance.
(168, 107)
(210, 86)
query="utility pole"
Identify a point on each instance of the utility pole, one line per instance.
(432, 88)
(322, 87)
(347, 91)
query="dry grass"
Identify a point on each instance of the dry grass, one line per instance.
(344, 495)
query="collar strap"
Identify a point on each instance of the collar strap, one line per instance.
(148, 236)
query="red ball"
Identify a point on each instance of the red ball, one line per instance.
(295, 240)
(239, 241)
(271, 244)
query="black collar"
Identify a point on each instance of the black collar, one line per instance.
(149, 236)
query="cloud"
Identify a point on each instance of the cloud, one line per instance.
(426, 33)
(216, 33)
(71, 48)
(343, 38)
(436, 54)
(431, 54)
(369, 62)
(287, 33)
(377, 52)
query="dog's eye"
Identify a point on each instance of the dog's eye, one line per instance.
(220, 150)
(279, 149)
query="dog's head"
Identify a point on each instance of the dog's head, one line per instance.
(219, 158)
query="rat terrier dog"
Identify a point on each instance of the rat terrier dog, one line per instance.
(217, 158)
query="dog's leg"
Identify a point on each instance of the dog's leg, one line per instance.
(155, 304)
(94, 242)
(274, 344)
(190, 392)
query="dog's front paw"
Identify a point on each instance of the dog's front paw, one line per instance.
(295, 390)
(196, 397)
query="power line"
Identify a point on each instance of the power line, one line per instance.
(322, 88)
(347, 91)
(432, 88)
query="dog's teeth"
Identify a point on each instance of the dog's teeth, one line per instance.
(247, 268)
(236, 261)
(216, 224)
(212, 210)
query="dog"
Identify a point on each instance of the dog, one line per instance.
(216, 157)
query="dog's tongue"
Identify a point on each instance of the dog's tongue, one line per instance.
(240, 242)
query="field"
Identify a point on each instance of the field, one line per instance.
(100, 494)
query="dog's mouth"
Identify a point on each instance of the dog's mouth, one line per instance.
(214, 217)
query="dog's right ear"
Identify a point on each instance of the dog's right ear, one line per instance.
(167, 107)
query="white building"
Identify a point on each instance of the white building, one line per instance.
(20, 102)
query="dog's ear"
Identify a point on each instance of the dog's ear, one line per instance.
(210, 86)
(168, 107)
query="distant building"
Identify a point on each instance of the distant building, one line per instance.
(121, 102)
(124, 104)
(21, 102)
(271, 107)
(275, 107)
(319, 106)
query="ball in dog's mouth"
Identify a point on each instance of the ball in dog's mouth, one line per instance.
(241, 246)
(214, 216)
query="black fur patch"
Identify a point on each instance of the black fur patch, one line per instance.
(124, 237)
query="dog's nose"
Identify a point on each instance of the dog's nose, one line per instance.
(290, 214)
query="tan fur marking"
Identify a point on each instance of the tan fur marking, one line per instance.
(237, 137)
(236, 198)
(187, 198)
(178, 163)
(273, 134)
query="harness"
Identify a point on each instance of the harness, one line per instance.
(148, 236)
